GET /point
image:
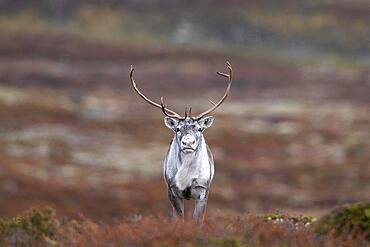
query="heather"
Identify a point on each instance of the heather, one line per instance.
(41, 228)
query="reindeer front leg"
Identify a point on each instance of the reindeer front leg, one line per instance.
(201, 198)
(177, 204)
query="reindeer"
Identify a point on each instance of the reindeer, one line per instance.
(188, 165)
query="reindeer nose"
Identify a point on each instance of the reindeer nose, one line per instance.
(188, 140)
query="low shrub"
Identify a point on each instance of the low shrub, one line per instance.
(350, 224)
(28, 228)
(352, 220)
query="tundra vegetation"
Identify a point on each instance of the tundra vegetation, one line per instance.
(345, 226)
(292, 139)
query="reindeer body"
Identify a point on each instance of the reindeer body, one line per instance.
(180, 169)
(188, 166)
(188, 176)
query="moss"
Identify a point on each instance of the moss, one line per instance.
(287, 218)
(271, 216)
(31, 226)
(349, 220)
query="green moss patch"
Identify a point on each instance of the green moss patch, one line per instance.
(349, 220)
(29, 227)
(306, 220)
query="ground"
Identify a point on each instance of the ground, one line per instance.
(74, 135)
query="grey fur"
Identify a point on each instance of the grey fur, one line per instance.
(188, 174)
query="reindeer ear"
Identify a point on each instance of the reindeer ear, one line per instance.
(171, 122)
(206, 122)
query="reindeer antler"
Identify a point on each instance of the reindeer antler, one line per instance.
(216, 105)
(168, 112)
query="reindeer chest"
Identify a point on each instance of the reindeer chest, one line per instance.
(192, 174)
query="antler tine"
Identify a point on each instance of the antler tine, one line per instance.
(166, 111)
(213, 103)
(216, 105)
(190, 112)
(186, 112)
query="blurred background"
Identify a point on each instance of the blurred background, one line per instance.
(292, 137)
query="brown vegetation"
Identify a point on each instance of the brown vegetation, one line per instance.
(90, 140)
(40, 228)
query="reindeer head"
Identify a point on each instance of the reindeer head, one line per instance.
(188, 129)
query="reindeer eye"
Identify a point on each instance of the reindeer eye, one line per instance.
(200, 129)
(177, 129)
